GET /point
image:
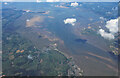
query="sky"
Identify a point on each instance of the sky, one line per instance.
(60, 0)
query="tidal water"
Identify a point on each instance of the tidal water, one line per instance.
(78, 48)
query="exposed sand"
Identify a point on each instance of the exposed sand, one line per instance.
(33, 20)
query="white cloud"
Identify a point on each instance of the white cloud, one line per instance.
(27, 20)
(108, 12)
(102, 18)
(8, 0)
(70, 21)
(39, 0)
(106, 35)
(80, 4)
(5, 3)
(65, 0)
(74, 4)
(112, 26)
(52, 0)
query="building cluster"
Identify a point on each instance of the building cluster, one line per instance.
(115, 50)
